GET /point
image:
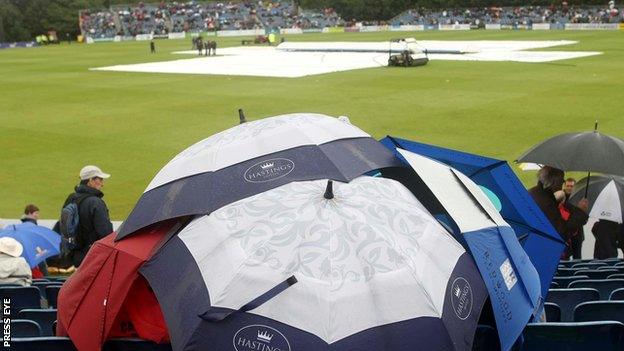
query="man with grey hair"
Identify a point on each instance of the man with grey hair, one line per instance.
(550, 180)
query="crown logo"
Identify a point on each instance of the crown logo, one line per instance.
(267, 165)
(457, 291)
(264, 336)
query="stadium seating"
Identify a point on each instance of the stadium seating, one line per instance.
(554, 285)
(568, 299)
(617, 294)
(553, 312)
(44, 317)
(133, 344)
(50, 343)
(566, 272)
(21, 297)
(604, 287)
(616, 276)
(41, 285)
(596, 273)
(603, 336)
(589, 265)
(52, 292)
(564, 282)
(599, 311)
(22, 328)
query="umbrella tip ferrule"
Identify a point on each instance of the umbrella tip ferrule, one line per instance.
(329, 190)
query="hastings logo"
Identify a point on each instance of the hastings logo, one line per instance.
(268, 170)
(461, 298)
(260, 338)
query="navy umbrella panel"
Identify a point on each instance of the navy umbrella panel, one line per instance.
(179, 191)
(585, 151)
(293, 269)
(538, 237)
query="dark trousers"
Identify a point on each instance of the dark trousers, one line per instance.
(575, 247)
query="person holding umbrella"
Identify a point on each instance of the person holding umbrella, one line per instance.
(13, 268)
(550, 180)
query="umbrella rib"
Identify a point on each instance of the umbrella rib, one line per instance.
(536, 231)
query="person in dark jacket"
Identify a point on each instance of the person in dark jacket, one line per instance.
(550, 180)
(576, 241)
(94, 221)
(31, 214)
(606, 234)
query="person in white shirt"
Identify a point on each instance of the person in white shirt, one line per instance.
(13, 268)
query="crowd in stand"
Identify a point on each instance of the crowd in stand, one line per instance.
(193, 16)
(525, 15)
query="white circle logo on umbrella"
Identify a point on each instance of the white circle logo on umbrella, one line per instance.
(461, 298)
(260, 337)
(268, 170)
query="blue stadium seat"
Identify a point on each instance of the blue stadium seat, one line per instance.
(597, 273)
(45, 318)
(616, 276)
(570, 263)
(566, 272)
(485, 339)
(52, 292)
(604, 287)
(134, 344)
(568, 299)
(603, 336)
(553, 312)
(42, 286)
(49, 343)
(22, 328)
(564, 282)
(589, 265)
(21, 297)
(617, 294)
(599, 311)
(554, 285)
(40, 280)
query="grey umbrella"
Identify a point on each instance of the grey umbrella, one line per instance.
(585, 151)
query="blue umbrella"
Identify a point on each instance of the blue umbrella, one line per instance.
(39, 242)
(538, 237)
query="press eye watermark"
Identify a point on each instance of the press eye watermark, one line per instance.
(6, 323)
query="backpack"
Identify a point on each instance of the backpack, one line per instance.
(69, 224)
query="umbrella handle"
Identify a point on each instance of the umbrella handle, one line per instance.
(587, 185)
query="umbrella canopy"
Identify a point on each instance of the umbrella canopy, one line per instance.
(585, 151)
(307, 267)
(39, 242)
(511, 278)
(91, 298)
(605, 196)
(254, 157)
(538, 237)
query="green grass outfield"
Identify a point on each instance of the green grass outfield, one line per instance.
(56, 115)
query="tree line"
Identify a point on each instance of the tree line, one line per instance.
(22, 20)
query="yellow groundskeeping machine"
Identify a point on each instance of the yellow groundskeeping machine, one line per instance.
(405, 52)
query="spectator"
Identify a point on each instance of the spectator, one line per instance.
(606, 234)
(550, 180)
(94, 222)
(152, 47)
(31, 214)
(13, 268)
(576, 241)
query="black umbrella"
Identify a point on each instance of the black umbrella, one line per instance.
(585, 151)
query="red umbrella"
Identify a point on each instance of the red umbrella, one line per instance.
(91, 299)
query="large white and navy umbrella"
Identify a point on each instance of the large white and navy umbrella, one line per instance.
(254, 157)
(303, 267)
(605, 196)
